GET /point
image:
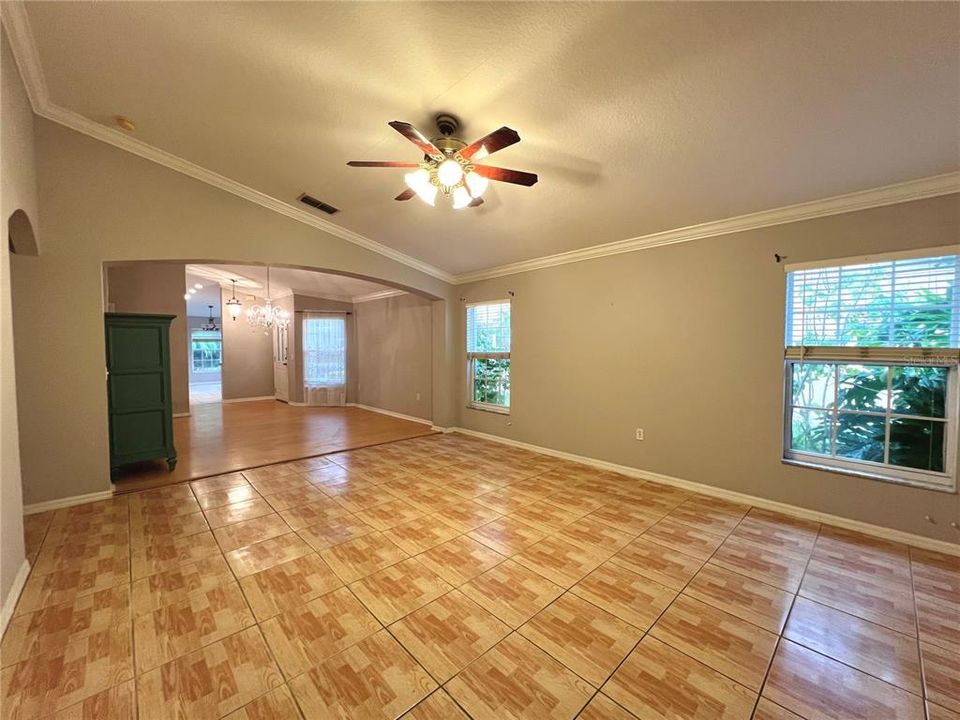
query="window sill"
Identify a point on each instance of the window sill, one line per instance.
(812, 465)
(497, 410)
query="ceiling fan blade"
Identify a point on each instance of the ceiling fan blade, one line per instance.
(405, 195)
(497, 140)
(385, 163)
(417, 138)
(476, 202)
(517, 177)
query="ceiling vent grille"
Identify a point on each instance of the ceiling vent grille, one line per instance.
(318, 204)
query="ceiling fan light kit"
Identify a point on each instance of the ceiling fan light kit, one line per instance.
(450, 166)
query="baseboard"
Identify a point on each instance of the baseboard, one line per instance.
(10, 601)
(901, 536)
(186, 414)
(66, 502)
(249, 399)
(391, 413)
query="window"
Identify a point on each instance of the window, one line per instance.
(488, 355)
(206, 350)
(324, 351)
(871, 367)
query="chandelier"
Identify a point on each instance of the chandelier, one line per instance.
(210, 325)
(233, 305)
(267, 316)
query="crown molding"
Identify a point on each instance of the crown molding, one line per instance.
(929, 187)
(378, 295)
(17, 24)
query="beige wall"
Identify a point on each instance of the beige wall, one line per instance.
(394, 338)
(686, 341)
(104, 204)
(157, 289)
(18, 191)
(247, 370)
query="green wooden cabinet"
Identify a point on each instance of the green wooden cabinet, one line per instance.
(140, 403)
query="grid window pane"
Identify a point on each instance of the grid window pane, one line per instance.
(917, 443)
(919, 391)
(861, 437)
(811, 431)
(813, 384)
(862, 387)
(491, 381)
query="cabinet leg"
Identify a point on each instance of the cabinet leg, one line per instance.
(171, 463)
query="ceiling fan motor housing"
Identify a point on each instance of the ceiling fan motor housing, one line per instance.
(447, 124)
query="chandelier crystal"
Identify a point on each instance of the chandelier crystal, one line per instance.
(267, 316)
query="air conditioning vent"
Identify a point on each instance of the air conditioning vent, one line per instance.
(318, 204)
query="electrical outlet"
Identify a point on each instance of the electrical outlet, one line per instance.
(639, 434)
(418, 396)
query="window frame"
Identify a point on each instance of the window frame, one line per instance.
(883, 356)
(472, 357)
(882, 471)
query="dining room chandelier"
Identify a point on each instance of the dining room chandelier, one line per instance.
(267, 316)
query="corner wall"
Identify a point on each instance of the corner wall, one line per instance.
(18, 191)
(686, 341)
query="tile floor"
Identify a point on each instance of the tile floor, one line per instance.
(446, 577)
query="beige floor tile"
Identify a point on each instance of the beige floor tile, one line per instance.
(42, 591)
(631, 597)
(590, 534)
(223, 515)
(153, 529)
(460, 560)
(421, 534)
(936, 712)
(517, 680)
(767, 710)
(219, 498)
(466, 516)
(657, 682)
(437, 706)
(546, 516)
(171, 586)
(512, 592)
(334, 530)
(818, 688)
(375, 678)
(282, 484)
(275, 705)
(308, 634)
(54, 627)
(288, 585)
(362, 556)
(399, 589)
(448, 634)
(268, 472)
(603, 708)
(169, 554)
(84, 526)
(211, 682)
(938, 622)
(355, 499)
(295, 497)
(775, 536)
(866, 646)
(267, 554)
(732, 646)
(559, 561)
(218, 483)
(586, 639)
(81, 552)
(183, 627)
(709, 514)
(507, 535)
(658, 563)
(941, 675)
(143, 509)
(935, 576)
(303, 516)
(470, 487)
(116, 703)
(761, 562)
(625, 517)
(248, 532)
(67, 675)
(747, 599)
(684, 538)
(389, 514)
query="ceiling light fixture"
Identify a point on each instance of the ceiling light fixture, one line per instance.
(210, 325)
(450, 166)
(233, 305)
(267, 316)
(186, 296)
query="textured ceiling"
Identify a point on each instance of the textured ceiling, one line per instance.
(638, 117)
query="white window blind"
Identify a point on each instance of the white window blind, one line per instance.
(893, 309)
(488, 328)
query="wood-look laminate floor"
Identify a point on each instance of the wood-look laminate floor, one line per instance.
(219, 438)
(445, 578)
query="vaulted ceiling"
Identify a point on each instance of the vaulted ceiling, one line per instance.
(638, 117)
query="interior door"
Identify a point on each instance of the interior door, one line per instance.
(281, 378)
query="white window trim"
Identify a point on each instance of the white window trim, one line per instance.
(867, 259)
(942, 482)
(471, 356)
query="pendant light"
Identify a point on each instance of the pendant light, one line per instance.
(210, 325)
(233, 305)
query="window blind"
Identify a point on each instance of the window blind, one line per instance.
(888, 310)
(488, 328)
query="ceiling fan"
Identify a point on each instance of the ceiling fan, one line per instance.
(452, 167)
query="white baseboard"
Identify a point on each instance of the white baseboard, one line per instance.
(918, 541)
(66, 502)
(391, 413)
(10, 601)
(249, 399)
